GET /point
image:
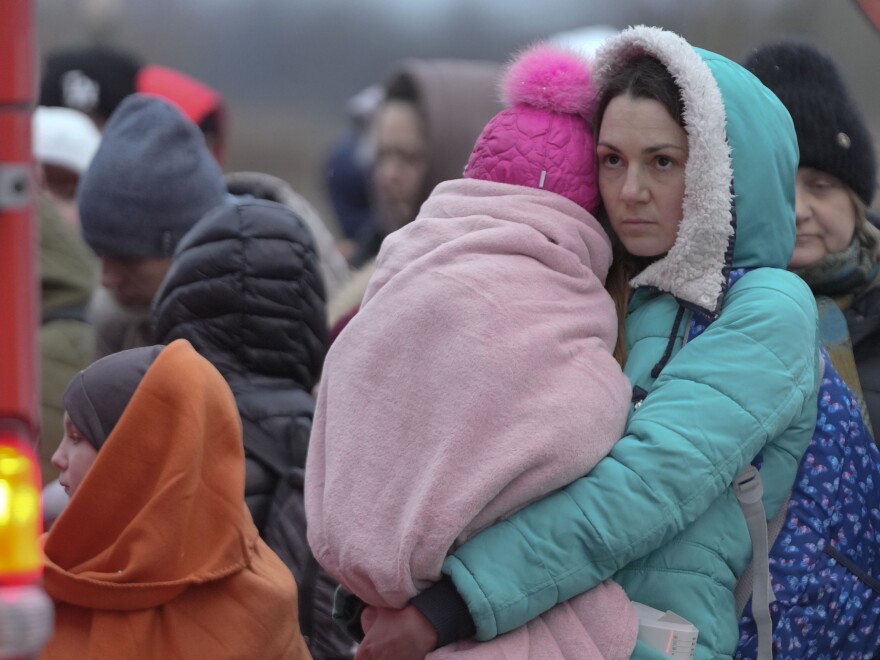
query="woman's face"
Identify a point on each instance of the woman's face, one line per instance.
(401, 162)
(73, 458)
(642, 153)
(825, 216)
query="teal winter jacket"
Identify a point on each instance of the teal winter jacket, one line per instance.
(658, 514)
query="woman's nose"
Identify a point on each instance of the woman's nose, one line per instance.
(58, 460)
(802, 208)
(110, 277)
(633, 188)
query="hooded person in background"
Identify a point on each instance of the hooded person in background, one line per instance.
(245, 289)
(423, 132)
(150, 181)
(156, 556)
(838, 249)
(258, 185)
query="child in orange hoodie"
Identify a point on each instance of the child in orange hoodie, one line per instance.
(156, 555)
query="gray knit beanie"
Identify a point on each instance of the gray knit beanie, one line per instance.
(150, 181)
(97, 396)
(832, 135)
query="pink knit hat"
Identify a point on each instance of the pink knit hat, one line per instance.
(544, 139)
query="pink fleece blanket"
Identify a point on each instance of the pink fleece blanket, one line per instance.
(476, 378)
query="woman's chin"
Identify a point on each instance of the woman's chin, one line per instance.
(802, 262)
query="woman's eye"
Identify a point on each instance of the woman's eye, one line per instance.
(663, 162)
(611, 160)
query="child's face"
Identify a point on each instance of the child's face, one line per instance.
(73, 458)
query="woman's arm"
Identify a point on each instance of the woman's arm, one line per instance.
(718, 402)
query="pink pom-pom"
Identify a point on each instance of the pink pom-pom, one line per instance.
(549, 78)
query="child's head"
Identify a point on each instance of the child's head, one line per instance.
(544, 139)
(93, 402)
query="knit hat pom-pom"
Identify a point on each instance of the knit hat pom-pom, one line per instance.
(549, 78)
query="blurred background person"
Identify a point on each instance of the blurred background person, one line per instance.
(837, 250)
(347, 173)
(150, 181)
(203, 104)
(64, 142)
(111, 74)
(91, 79)
(96, 79)
(423, 132)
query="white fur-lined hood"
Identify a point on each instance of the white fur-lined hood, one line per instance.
(738, 207)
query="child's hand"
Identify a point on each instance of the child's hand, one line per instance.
(395, 635)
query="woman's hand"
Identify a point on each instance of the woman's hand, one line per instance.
(395, 635)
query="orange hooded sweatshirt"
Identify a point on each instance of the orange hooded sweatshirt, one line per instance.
(156, 555)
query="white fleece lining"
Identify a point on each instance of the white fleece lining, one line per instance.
(693, 270)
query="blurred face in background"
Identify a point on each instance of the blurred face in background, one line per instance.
(401, 163)
(825, 216)
(133, 282)
(61, 184)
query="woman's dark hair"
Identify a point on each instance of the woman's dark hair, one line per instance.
(642, 77)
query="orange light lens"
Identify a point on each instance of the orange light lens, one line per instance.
(21, 558)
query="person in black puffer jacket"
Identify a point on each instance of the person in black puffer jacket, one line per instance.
(245, 289)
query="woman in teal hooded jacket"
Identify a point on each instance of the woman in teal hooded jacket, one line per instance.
(659, 514)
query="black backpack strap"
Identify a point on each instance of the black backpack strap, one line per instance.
(306, 597)
(297, 404)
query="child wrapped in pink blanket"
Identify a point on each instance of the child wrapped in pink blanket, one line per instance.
(478, 374)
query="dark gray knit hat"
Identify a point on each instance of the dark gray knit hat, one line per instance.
(831, 134)
(150, 181)
(97, 396)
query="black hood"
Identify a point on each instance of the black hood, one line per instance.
(245, 289)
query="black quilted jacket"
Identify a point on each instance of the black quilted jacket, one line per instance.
(245, 289)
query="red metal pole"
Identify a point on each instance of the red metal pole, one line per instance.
(25, 610)
(19, 394)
